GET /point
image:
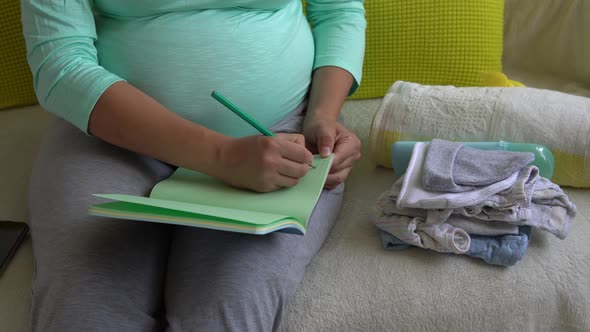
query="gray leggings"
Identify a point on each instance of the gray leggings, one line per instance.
(96, 274)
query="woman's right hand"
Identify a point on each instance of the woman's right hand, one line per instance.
(263, 163)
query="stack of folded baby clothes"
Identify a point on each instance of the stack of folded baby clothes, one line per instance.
(461, 200)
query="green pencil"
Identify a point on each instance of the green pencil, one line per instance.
(225, 102)
(241, 114)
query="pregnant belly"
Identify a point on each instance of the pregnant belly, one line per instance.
(261, 60)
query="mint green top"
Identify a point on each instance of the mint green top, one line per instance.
(258, 53)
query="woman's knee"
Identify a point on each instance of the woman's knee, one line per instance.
(244, 302)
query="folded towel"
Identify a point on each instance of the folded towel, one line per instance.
(452, 167)
(559, 121)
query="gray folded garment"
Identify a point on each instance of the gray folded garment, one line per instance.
(452, 167)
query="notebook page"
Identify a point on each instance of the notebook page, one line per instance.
(298, 201)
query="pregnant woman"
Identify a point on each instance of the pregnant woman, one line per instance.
(130, 81)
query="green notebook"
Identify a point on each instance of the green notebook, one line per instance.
(194, 199)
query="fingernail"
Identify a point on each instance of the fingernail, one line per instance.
(325, 151)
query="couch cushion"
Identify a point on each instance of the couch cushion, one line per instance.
(16, 78)
(353, 284)
(449, 42)
(548, 44)
(20, 134)
(21, 130)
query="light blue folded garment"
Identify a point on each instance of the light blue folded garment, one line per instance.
(504, 250)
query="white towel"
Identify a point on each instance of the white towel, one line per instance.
(559, 121)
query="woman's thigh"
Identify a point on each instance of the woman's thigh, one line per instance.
(93, 273)
(223, 281)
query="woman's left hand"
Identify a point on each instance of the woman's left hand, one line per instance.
(326, 136)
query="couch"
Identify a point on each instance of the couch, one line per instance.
(355, 285)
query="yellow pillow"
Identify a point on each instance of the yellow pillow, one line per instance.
(16, 88)
(437, 42)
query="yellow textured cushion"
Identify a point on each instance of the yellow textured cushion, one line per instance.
(16, 85)
(437, 42)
